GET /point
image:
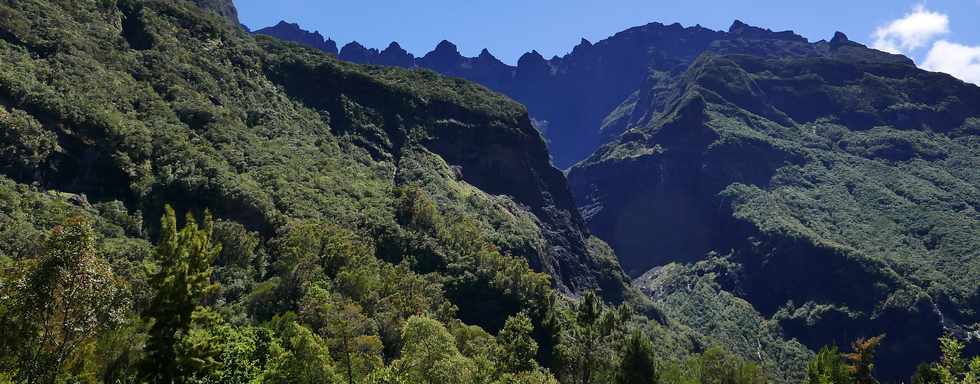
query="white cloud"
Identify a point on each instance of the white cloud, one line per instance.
(915, 30)
(922, 27)
(955, 59)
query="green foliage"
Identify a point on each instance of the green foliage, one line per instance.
(639, 365)
(835, 163)
(711, 367)
(184, 260)
(694, 295)
(349, 250)
(587, 343)
(24, 144)
(302, 357)
(828, 367)
(517, 346)
(59, 304)
(953, 368)
(430, 355)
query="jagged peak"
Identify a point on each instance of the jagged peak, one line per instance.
(486, 57)
(485, 54)
(394, 46)
(446, 46)
(354, 45)
(840, 40)
(583, 44)
(737, 26)
(530, 57)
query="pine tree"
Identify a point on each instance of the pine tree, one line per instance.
(517, 346)
(953, 368)
(861, 362)
(638, 364)
(181, 283)
(827, 367)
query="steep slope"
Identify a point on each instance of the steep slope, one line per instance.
(166, 104)
(839, 180)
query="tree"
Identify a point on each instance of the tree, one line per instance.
(350, 334)
(827, 367)
(430, 355)
(517, 346)
(416, 210)
(586, 347)
(638, 365)
(184, 260)
(952, 367)
(861, 362)
(65, 301)
(926, 373)
(303, 357)
(720, 366)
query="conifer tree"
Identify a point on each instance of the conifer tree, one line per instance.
(184, 260)
(517, 345)
(861, 362)
(827, 367)
(638, 364)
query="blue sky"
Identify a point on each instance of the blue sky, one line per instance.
(508, 28)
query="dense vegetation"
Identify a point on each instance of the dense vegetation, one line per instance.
(323, 222)
(831, 187)
(330, 222)
(90, 303)
(800, 163)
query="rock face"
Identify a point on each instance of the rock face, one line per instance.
(292, 32)
(840, 180)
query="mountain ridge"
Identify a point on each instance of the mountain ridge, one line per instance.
(767, 152)
(650, 112)
(551, 88)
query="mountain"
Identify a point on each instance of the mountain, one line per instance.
(292, 32)
(836, 183)
(153, 134)
(366, 200)
(375, 224)
(569, 97)
(822, 188)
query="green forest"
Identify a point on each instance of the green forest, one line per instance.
(182, 202)
(81, 307)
